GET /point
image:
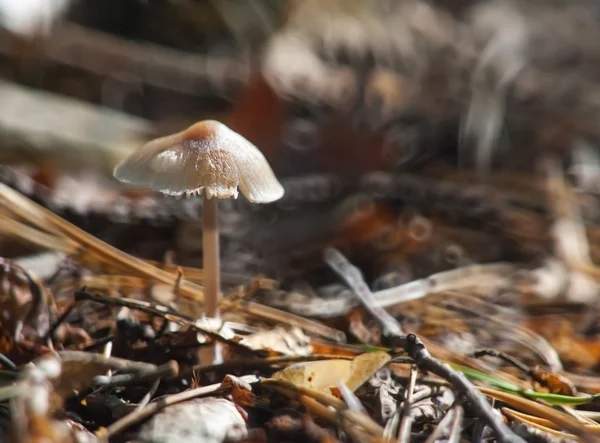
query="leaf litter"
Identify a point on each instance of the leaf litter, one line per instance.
(398, 304)
(332, 382)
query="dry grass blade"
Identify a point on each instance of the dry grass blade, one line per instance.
(36, 237)
(197, 275)
(275, 315)
(27, 209)
(40, 238)
(522, 335)
(488, 275)
(569, 229)
(532, 418)
(548, 427)
(102, 283)
(531, 407)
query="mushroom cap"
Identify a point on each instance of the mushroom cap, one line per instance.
(207, 156)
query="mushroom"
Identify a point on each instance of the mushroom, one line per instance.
(210, 160)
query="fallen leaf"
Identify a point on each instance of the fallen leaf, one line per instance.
(552, 382)
(241, 391)
(324, 375)
(279, 341)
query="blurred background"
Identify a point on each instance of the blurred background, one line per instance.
(414, 135)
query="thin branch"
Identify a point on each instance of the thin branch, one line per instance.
(443, 426)
(352, 276)
(457, 423)
(407, 418)
(504, 356)
(415, 348)
(7, 363)
(417, 351)
(115, 363)
(50, 334)
(168, 370)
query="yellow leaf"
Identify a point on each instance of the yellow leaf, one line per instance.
(324, 375)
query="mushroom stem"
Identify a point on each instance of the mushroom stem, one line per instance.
(210, 245)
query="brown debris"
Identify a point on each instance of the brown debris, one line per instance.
(304, 429)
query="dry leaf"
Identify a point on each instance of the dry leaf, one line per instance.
(26, 305)
(279, 341)
(552, 382)
(324, 375)
(241, 391)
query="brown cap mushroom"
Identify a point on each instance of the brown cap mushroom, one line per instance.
(209, 157)
(211, 160)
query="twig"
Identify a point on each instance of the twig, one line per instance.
(555, 382)
(60, 321)
(154, 309)
(146, 399)
(417, 351)
(7, 363)
(503, 356)
(478, 431)
(415, 348)
(350, 398)
(520, 334)
(407, 418)
(454, 436)
(353, 278)
(168, 370)
(166, 313)
(442, 427)
(146, 64)
(487, 275)
(115, 363)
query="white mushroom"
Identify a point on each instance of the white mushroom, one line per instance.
(207, 159)
(207, 156)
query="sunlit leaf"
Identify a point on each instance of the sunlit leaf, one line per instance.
(324, 375)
